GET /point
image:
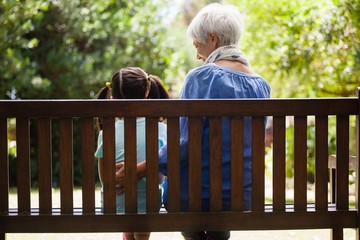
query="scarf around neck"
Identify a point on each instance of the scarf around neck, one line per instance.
(228, 52)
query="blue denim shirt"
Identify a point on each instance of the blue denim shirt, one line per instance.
(211, 81)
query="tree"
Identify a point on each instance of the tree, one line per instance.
(68, 49)
(304, 49)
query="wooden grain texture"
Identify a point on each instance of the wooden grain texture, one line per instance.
(279, 177)
(87, 165)
(215, 161)
(66, 165)
(342, 162)
(23, 164)
(130, 165)
(181, 221)
(152, 168)
(108, 165)
(195, 171)
(177, 108)
(302, 214)
(237, 164)
(173, 166)
(300, 163)
(258, 164)
(45, 165)
(321, 163)
(4, 166)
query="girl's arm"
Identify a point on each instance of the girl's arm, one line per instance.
(120, 174)
(100, 169)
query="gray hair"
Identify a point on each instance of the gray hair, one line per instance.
(222, 19)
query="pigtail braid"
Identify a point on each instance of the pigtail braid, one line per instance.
(104, 93)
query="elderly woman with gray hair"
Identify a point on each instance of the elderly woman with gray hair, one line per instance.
(226, 73)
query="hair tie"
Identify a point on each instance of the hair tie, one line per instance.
(108, 85)
(148, 85)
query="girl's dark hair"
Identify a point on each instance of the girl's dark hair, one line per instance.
(135, 83)
(132, 83)
(103, 93)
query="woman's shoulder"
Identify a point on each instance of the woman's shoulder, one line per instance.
(212, 69)
(203, 70)
(207, 71)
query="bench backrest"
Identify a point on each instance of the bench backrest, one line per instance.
(44, 112)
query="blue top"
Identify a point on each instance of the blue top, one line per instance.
(207, 82)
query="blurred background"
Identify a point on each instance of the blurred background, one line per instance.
(70, 48)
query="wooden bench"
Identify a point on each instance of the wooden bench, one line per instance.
(268, 213)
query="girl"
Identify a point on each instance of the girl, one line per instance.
(131, 83)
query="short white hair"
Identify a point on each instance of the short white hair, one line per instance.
(222, 19)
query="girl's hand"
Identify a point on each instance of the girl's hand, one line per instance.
(120, 177)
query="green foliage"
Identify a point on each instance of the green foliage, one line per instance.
(15, 23)
(68, 49)
(304, 48)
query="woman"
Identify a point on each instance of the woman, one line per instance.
(226, 73)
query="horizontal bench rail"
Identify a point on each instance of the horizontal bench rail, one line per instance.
(165, 222)
(176, 108)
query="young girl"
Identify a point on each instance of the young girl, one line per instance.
(131, 83)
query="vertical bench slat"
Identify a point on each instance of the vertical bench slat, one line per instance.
(195, 171)
(108, 165)
(173, 164)
(279, 187)
(23, 164)
(300, 163)
(88, 170)
(342, 162)
(66, 165)
(321, 167)
(237, 163)
(152, 169)
(45, 165)
(215, 141)
(4, 166)
(258, 164)
(130, 165)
